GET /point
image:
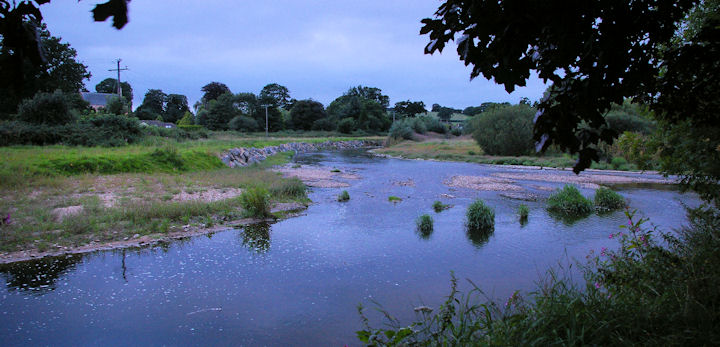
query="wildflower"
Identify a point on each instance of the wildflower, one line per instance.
(602, 251)
(612, 235)
(597, 285)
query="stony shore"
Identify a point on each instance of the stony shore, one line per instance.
(238, 157)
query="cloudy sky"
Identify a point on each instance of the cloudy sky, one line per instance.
(316, 48)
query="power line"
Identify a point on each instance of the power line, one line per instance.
(119, 88)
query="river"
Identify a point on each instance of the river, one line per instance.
(299, 281)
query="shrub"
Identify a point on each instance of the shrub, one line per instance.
(439, 206)
(434, 125)
(523, 212)
(243, 123)
(622, 121)
(418, 125)
(424, 225)
(116, 105)
(608, 200)
(344, 196)
(346, 125)
(505, 131)
(256, 202)
(187, 119)
(480, 217)
(569, 202)
(46, 108)
(456, 131)
(324, 124)
(401, 130)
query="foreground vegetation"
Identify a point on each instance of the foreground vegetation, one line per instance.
(644, 293)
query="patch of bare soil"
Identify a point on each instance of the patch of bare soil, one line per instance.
(318, 177)
(482, 183)
(208, 195)
(586, 180)
(60, 213)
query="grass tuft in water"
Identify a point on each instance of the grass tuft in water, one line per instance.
(480, 217)
(439, 206)
(569, 202)
(607, 200)
(523, 212)
(394, 199)
(344, 196)
(424, 225)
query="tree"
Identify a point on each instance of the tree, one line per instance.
(213, 90)
(370, 93)
(594, 54)
(109, 85)
(305, 113)
(276, 95)
(23, 47)
(176, 106)
(445, 113)
(153, 105)
(117, 105)
(59, 71)
(219, 112)
(410, 108)
(665, 55)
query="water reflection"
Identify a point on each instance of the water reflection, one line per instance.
(38, 276)
(567, 219)
(256, 237)
(478, 237)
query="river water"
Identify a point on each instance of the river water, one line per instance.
(299, 281)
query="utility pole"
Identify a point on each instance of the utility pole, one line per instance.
(119, 88)
(266, 118)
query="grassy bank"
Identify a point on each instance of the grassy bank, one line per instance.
(62, 196)
(465, 149)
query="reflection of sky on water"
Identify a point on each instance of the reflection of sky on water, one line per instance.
(299, 281)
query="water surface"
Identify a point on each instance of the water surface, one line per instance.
(299, 281)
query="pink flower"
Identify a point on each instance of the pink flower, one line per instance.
(602, 251)
(597, 285)
(612, 235)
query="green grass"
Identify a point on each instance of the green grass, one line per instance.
(22, 164)
(569, 202)
(256, 202)
(394, 199)
(344, 196)
(607, 200)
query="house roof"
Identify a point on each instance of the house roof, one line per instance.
(96, 99)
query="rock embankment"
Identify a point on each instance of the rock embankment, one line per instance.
(247, 156)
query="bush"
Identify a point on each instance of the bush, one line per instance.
(344, 196)
(480, 217)
(186, 120)
(243, 123)
(46, 108)
(346, 125)
(116, 105)
(608, 200)
(505, 130)
(434, 125)
(622, 121)
(401, 130)
(255, 202)
(456, 131)
(418, 125)
(424, 225)
(569, 202)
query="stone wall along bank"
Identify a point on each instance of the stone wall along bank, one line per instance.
(239, 157)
